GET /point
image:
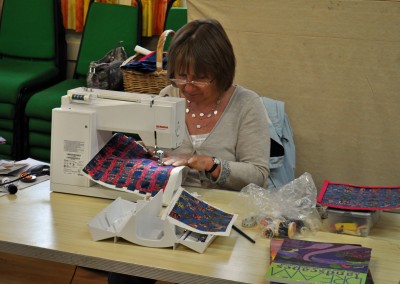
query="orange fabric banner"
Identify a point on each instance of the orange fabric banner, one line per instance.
(153, 14)
(160, 9)
(79, 23)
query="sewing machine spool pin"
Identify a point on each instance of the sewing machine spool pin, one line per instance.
(160, 155)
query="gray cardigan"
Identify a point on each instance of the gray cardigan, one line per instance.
(240, 139)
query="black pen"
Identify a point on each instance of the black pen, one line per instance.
(243, 234)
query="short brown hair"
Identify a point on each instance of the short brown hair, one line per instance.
(205, 46)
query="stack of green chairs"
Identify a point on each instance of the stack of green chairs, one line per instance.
(106, 25)
(32, 57)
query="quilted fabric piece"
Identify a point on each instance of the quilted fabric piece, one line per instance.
(352, 197)
(126, 165)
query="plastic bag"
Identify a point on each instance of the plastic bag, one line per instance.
(284, 212)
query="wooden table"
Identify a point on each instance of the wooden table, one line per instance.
(53, 226)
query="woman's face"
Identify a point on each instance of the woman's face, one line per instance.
(195, 87)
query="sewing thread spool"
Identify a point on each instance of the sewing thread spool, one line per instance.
(10, 187)
(4, 181)
(286, 229)
(80, 98)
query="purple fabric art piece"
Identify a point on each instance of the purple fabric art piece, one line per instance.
(352, 197)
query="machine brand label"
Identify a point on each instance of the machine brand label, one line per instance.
(162, 127)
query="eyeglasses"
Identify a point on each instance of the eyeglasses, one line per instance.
(178, 83)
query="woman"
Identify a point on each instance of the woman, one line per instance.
(227, 141)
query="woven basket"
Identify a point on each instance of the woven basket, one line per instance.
(148, 83)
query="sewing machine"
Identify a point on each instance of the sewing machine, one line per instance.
(85, 122)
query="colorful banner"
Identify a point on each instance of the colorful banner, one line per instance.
(153, 14)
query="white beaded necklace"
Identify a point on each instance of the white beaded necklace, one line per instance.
(201, 115)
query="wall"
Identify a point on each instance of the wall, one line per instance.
(336, 65)
(73, 40)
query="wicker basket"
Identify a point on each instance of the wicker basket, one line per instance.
(148, 83)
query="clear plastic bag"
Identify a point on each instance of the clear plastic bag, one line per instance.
(284, 212)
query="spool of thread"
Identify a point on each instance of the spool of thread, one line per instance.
(286, 229)
(10, 187)
(80, 98)
(4, 180)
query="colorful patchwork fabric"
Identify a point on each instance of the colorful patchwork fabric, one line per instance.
(125, 164)
(352, 197)
(199, 215)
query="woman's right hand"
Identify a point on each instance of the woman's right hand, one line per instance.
(176, 161)
(197, 162)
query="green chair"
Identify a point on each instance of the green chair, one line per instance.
(32, 57)
(106, 25)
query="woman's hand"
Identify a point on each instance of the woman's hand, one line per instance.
(197, 162)
(176, 161)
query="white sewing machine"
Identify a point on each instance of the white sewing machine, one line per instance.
(85, 122)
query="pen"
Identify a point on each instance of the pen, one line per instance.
(243, 234)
